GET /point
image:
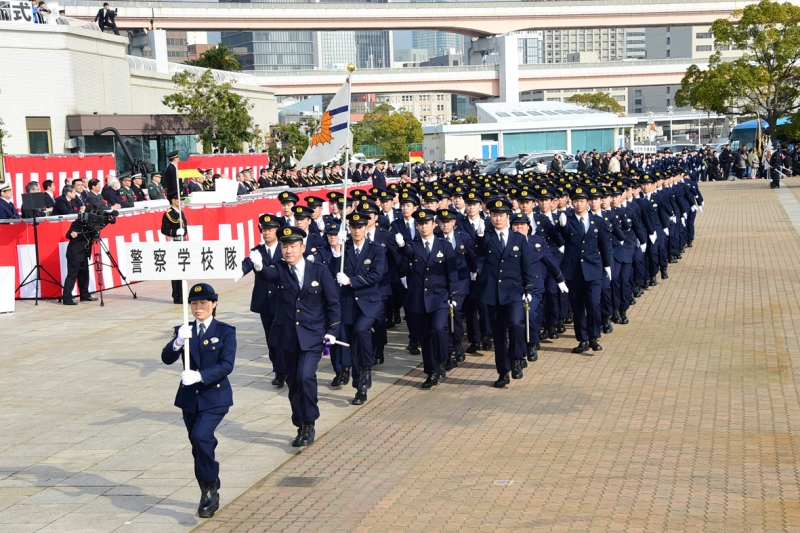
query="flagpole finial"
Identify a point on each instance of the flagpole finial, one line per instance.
(350, 67)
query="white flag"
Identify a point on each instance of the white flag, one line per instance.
(332, 133)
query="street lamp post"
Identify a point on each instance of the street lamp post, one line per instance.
(670, 123)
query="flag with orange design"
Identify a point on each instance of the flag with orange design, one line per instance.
(333, 130)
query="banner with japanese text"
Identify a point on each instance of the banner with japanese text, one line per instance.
(198, 260)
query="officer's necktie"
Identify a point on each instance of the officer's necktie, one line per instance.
(202, 331)
(294, 273)
(427, 249)
(502, 242)
(357, 252)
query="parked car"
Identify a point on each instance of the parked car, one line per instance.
(572, 166)
(499, 163)
(678, 148)
(531, 160)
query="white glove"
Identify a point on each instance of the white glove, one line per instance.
(481, 225)
(180, 232)
(694, 208)
(480, 229)
(190, 377)
(310, 258)
(184, 333)
(622, 243)
(608, 272)
(700, 207)
(673, 219)
(666, 232)
(562, 219)
(452, 303)
(643, 247)
(404, 282)
(399, 240)
(342, 278)
(258, 261)
(330, 339)
(473, 276)
(527, 298)
(561, 249)
(563, 287)
(683, 221)
(653, 238)
(341, 237)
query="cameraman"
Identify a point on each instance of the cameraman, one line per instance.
(78, 248)
(105, 17)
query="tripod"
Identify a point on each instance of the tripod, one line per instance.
(38, 269)
(98, 266)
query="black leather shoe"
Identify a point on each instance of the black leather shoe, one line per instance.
(337, 380)
(450, 363)
(88, 299)
(280, 379)
(441, 371)
(70, 302)
(561, 328)
(623, 317)
(367, 376)
(296, 441)
(533, 354)
(390, 323)
(379, 359)
(653, 281)
(615, 316)
(551, 332)
(487, 343)
(570, 318)
(177, 302)
(689, 244)
(209, 501)
(664, 274)
(594, 345)
(361, 397)
(397, 319)
(607, 327)
(516, 369)
(460, 355)
(432, 381)
(581, 347)
(523, 363)
(345, 375)
(502, 381)
(473, 347)
(632, 300)
(413, 347)
(308, 435)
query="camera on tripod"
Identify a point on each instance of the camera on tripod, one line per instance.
(92, 222)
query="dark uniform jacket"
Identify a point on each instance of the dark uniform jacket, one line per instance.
(213, 357)
(365, 273)
(7, 210)
(432, 279)
(63, 207)
(265, 295)
(585, 254)
(543, 263)
(170, 223)
(505, 273)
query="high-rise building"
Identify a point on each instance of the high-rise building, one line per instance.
(436, 42)
(635, 43)
(607, 43)
(531, 47)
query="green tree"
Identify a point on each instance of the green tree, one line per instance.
(219, 57)
(293, 139)
(222, 117)
(765, 80)
(469, 119)
(393, 130)
(599, 101)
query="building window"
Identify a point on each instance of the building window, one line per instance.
(637, 92)
(620, 98)
(669, 89)
(638, 110)
(703, 48)
(705, 35)
(637, 102)
(407, 98)
(668, 102)
(722, 47)
(440, 107)
(39, 138)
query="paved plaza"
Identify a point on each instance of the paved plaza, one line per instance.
(688, 420)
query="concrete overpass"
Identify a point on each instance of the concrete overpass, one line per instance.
(477, 19)
(475, 81)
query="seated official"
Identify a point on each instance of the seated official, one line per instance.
(64, 203)
(7, 208)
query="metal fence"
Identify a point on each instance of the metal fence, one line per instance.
(21, 13)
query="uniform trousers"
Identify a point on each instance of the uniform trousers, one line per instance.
(651, 255)
(565, 306)
(690, 225)
(177, 290)
(534, 317)
(639, 267)
(359, 335)
(274, 354)
(340, 355)
(458, 324)
(622, 286)
(663, 249)
(433, 332)
(379, 337)
(585, 299)
(552, 301)
(606, 297)
(508, 327)
(472, 319)
(201, 426)
(301, 376)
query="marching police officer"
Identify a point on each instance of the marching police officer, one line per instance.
(205, 394)
(265, 295)
(308, 315)
(173, 225)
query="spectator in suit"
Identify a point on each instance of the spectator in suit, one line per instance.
(105, 17)
(50, 188)
(81, 194)
(94, 198)
(111, 192)
(64, 204)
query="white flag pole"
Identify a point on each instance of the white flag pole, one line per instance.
(186, 355)
(350, 68)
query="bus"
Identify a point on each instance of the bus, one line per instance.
(745, 133)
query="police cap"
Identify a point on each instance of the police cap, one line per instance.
(499, 206)
(202, 291)
(301, 211)
(445, 215)
(520, 218)
(368, 207)
(423, 215)
(269, 221)
(288, 197)
(173, 154)
(314, 201)
(357, 220)
(291, 234)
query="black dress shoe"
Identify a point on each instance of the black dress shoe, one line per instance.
(432, 381)
(552, 333)
(361, 397)
(653, 281)
(337, 380)
(307, 437)
(280, 379)
(594, 345)
(441, 371)
(296, 441)
(345, 375)
(379, 359)
(516, 369)
(450, 363)
(533, 354)
(178, 302)
(209, 501)
(664, 274)
(561, 328)
(487, 343)
(615, 316)
(473, 347)
(523, 363)
(413, 347)
(632, 300)
(607, 327)
(689, 244)
(502, 381)
(70, 302)
(570, 318)
(389, 323)
(623, 317)
(397, 319)
(581, 347)
(460, 355)
(88, 299)
(366, 374)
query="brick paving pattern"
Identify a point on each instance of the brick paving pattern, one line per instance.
(686, 421)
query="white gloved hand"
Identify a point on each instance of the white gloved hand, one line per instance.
(404, 281)
(341, 237)
(310, 258)
(473, 276)
(562, 219)
(190, 377)
(683, 221)
(622, 243)
(608, 272)
(399, 240)
(342, 278)
(666, 232)
(258, 261)
(184, 333)
(643, 247)
(527, 298)
(653, 238)
(563, 287)
(180, 232)
(674, 219)
(694, 208)
(452, 303)
(561, 249)
(330, 339)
